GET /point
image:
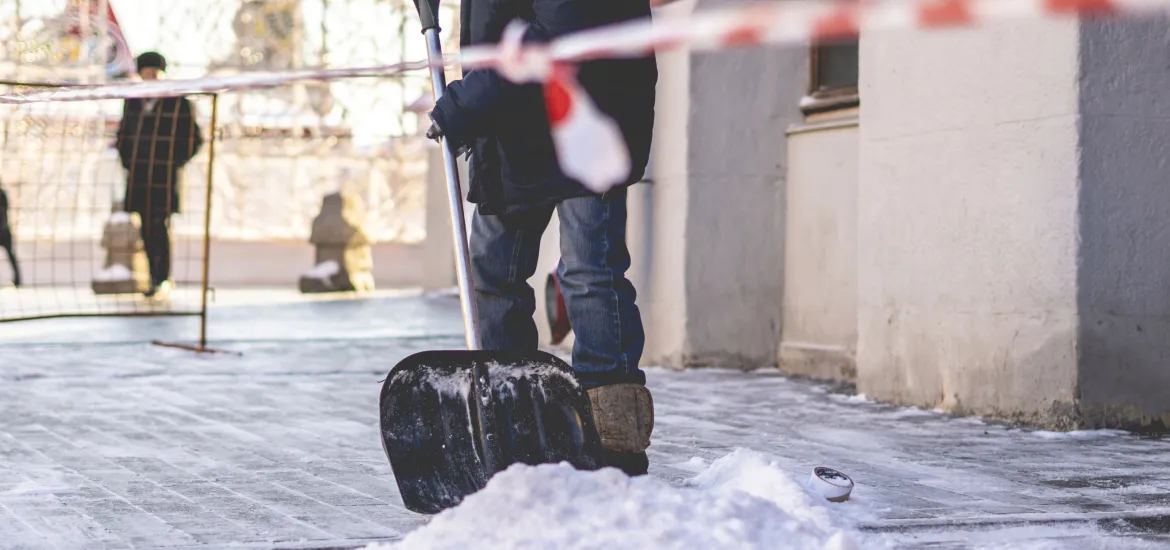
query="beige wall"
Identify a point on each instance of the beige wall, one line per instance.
(1013, 213)
(986, 238)
(967, 249)
(820, 271)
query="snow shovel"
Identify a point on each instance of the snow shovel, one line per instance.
(452, 419)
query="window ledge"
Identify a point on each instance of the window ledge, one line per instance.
(821, 102)
(830, 123)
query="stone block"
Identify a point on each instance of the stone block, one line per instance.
(125, 270)
(344, 260)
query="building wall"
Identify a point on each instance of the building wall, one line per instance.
(234, 264)
(967, 214)
(820, 269)
(986, 237)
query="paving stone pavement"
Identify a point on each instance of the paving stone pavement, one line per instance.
(116, 444)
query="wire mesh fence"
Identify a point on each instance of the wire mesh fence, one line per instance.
(77, 248)
(278, 150)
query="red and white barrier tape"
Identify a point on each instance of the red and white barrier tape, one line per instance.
(584, 143)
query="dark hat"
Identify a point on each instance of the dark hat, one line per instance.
(152, 59)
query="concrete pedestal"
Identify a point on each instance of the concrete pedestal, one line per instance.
(125, 270)
(343, 259)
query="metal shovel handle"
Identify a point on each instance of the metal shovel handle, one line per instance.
(428, 11)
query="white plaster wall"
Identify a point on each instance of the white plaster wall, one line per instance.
(968, 219)
(820, 272)
(1124, 267)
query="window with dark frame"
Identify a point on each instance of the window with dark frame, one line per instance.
(833, 74)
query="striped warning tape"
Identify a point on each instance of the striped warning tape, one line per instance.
(795, 22)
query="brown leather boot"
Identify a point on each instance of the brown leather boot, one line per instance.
(624, 414)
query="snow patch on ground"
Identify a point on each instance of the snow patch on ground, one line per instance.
(1079, 434)
(857, 398)
(443, 292)
(116, 272)
(120, 218)
(696, 464)
(52, 483)
(907, 412)
(741, 501)
(1059, 536)
(324, 270)
(32, 488)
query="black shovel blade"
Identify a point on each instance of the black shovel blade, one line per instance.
(452, 419)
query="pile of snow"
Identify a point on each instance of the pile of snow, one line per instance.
(741, 501)
(116, 272)
(324, 270)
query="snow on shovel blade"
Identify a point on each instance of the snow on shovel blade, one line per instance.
(446, 430)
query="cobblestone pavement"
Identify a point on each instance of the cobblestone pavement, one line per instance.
(114, 444)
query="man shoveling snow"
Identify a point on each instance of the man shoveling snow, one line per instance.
(517, 183)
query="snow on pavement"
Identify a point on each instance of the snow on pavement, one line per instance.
(1079, 434)
(741, 501)
(112, 445)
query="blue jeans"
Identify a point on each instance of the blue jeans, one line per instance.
(606, 323)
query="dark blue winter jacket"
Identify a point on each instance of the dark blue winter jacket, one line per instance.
(513, 164)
